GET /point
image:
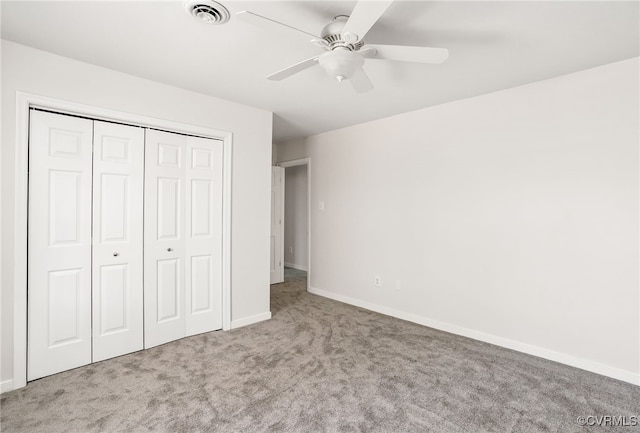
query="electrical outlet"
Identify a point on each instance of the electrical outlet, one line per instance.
(398, 285)
(321, 205)
(377, 281)
(290, 250)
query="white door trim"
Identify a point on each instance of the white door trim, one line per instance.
(307, 162)
(25, 101)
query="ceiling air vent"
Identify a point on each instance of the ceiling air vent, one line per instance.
(207, 11)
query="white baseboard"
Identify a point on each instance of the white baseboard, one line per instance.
(563, 358)
(6, 386)
(294, 266)
(250, 320)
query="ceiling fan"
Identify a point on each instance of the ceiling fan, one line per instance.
(343, 42)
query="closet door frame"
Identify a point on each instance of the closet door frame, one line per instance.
(26, 101)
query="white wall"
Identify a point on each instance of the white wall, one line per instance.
(295, 217)
(510, 217)
(45, 74)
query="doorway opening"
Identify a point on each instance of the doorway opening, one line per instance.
(297, 218)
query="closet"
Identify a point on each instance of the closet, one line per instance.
(125, 239)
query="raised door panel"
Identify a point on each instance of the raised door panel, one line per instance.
(118, 240)
(164, 237)
(201, 208)
(114, 207)
(65, 307)
(65, 207)
(168, 208)
(59, 243)
(201, 284)
(115, 306)
(203, 243)
(168, 290)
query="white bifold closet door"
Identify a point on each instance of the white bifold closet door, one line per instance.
(183, 236)
(118, 176)
(59, 244)
(84, 301)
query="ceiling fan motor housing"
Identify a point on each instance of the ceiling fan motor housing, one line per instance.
(332, 33)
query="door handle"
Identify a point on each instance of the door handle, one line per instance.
(169, 249)
(116, 254)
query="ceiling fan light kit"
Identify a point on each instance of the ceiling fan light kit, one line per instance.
(341, 63)
(343, 42)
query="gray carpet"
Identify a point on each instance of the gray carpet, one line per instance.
(320, 366)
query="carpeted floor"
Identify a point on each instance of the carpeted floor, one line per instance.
(320, 366)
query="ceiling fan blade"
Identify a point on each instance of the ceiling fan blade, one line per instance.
(364, 16)
(368, 52)
(360, 81)
(293, 69)
(268, 23)
(403, 53)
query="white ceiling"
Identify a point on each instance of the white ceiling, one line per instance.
(492, 46)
